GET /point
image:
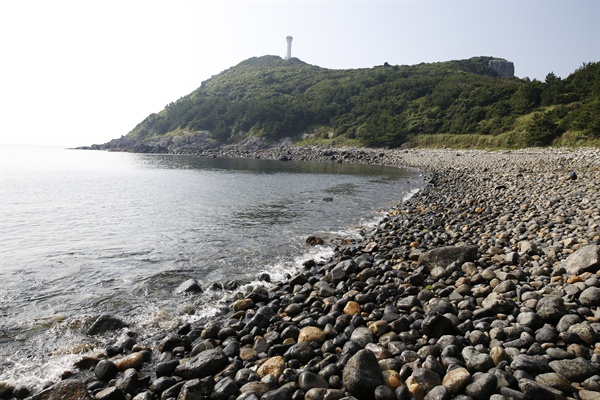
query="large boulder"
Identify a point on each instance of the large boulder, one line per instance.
(577, 370)
(72, 389)
(586, 258)
(362, 375)
(444, 256)
(206, 363)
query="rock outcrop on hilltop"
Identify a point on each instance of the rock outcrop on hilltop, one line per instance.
(504, 68)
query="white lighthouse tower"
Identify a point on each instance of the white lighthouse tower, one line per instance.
(288, 55)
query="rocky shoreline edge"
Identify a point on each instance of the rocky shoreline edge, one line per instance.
(484, 285)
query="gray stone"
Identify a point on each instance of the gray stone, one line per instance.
(147, 395)
(558, 354)
(302, 351)
(590, 297)
(482, 387)
(362, 375)
(586, 258)
(426, 378)
(342, 270)
(505, 287)
(475, 361)
(530, 320)
(444, 256)
(554, 380)
(362, 335)
(166, 368)
(551, 308)
(534, 390)
(245, 375)
(110, 393)
(547, 334)
(528, 247)
(437, 393)
(530, 364)
(105, 370)
(309, 380)
(169, 342)
(256, 387)
(497, 303)
(128, 383)
(383, 392)
(324, 394)
(208, 362)
(439, 273)
(435, 326)
(225, 388)
(585, 332)
(439, 306)
(161, 384)
(283, 392)
(73, 389)
(512, 394)
(408, 302)
(324, 289)
(566, 322)
(576, 370)
(173, 391)
(196, 388)
(592, 383)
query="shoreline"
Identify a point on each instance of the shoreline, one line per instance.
(465, 289)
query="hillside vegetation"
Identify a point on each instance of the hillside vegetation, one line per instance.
(455, 103)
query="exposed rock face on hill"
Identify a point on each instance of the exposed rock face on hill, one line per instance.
(505, 69)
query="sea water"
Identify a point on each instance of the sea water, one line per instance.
(86, 233)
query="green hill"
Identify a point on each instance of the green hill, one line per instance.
(461, 103)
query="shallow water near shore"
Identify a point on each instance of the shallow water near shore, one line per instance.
(86, 233)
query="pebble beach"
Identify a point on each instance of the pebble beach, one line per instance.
(484, 285)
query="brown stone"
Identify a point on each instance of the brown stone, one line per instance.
(86, 362)
(352, 308)
(378, 328)
(311, 334)
(133, 360)
(274, 366)
(391, 379)
(241, 305)
(415, 389)
(248, 354)
(456, 380)
(370, 247)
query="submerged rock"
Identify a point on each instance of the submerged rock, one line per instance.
(105, 323)
(189, 286)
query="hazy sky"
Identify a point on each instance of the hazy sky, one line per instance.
(80, 72)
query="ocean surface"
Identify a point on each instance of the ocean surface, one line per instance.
(86, 233)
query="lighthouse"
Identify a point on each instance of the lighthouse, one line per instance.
(288, 55)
